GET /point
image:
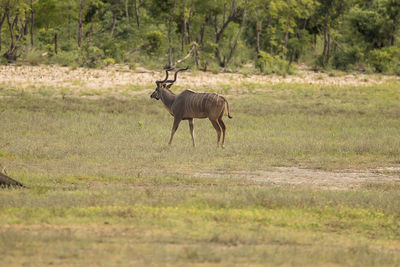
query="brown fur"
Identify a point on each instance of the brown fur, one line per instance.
(189, 105)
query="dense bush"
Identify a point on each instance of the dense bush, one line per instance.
(267, 64)
(345, 59)
(154, 39)
(386, 60)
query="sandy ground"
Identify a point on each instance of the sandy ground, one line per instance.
(120, 76)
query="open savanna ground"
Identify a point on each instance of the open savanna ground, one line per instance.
(310, 174)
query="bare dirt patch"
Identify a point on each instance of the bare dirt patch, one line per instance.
(295, 176)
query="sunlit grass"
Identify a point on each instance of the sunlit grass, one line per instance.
(102, 179)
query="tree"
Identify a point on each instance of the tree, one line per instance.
(231, 12)
(15, 12)
(329, 12)
(376, 22)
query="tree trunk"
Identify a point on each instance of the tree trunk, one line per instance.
(137, 13)
(219, 32)
(197, 56)
(169, 41)
(202, 30)
(127, 10)
(1, 26)
(183, 29)
(69, 25)
(328, 54)
(80, 24)
(285, 41)
(258, 31)
(190, 39)
(11, 54)
(32, 23)
(113, 26)
(270, 34)
(292, 55)
(56, 43)
(26, 22)
(233, 48)
(324, 52)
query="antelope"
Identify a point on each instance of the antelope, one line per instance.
(189, 105)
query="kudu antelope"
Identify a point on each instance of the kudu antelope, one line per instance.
(189, 105)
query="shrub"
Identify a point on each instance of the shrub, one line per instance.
(49, 48)
(64, 59)
(268, 64)
(46, 36)
(385, 60)
(345, 59)
(265, 62)
(91, 56)
(154, 38)
(34, 57)
(109, 61)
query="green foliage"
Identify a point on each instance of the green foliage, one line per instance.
(33, 57)
(65, 58)
(375, 22)
(154, 38)
(46, 36)
(345, 59)
(385, 60)
(109, 61)
(91, 56)
(268, 64)
(339, 34)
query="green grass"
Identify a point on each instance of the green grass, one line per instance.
(184, 220)
(105, 189)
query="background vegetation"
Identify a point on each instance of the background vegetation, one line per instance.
(269, 35)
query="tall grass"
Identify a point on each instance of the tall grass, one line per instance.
(102, 180)
(313, 126)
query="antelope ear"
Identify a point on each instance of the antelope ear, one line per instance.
(168, 86)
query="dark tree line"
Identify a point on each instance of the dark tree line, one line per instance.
(208, 34)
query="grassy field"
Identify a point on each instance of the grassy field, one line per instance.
(105, 189)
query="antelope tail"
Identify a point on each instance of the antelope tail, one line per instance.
(227, 108)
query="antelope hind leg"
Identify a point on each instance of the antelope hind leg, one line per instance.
(222, 124)
(218, 129)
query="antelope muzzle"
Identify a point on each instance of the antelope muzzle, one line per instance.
(155, 95)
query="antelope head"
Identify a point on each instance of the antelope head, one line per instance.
(156, 94)
(165, 84)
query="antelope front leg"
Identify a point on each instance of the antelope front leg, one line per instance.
(191, 127)
(174, 128)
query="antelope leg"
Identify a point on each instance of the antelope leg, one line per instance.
(222, 124)
(191, 127)
(174, 128)
(218, 129)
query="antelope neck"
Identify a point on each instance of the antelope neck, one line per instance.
(168, 98)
